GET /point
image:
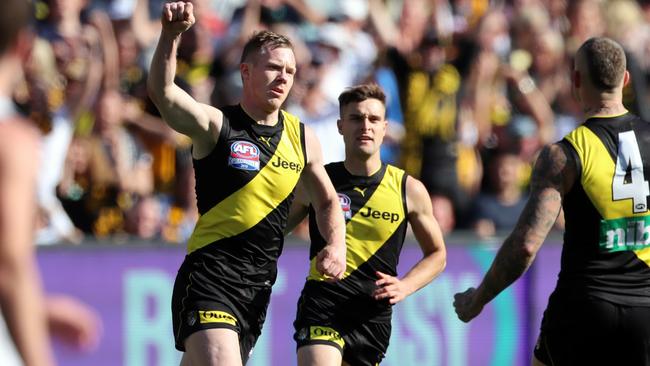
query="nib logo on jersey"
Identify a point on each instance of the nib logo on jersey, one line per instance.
(630, 233)
(244, 156)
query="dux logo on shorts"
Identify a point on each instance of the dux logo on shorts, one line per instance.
(244, 156)
(345, 206)
(216, 316)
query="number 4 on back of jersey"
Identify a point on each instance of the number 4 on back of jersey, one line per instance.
(629, 161)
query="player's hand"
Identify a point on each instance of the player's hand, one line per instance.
(73, 322)
(389, 287)
(467, 305)
(330, 261)
(177, 17)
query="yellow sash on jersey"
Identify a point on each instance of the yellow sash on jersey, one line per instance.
(250, 204)
(373, 224)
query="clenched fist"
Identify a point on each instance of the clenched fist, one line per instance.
(330, 261)
(467, 305)
(177, 17)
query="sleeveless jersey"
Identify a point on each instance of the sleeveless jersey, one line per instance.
(375, 213)
(244, 188)
(606, 249)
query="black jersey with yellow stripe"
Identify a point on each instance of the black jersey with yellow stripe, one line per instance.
(244, 189)
(606, 249)
(375, 210)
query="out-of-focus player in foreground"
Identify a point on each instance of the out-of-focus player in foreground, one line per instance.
(30, 317)
(21, 295)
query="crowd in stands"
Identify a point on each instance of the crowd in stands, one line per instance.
(475, 89)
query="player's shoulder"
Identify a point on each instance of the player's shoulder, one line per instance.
(17, 131)
(19, 143)
(415, 189)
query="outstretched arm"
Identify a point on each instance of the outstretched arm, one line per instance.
(200, 122)
(21, 293)
(330, 261)
(554, 174)
(429, 236)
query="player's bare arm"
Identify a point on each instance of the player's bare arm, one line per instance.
(429, 237)
(21, 296)
(330, 260)
(554, 174)
(180, 111)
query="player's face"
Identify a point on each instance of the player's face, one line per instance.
(270, 76)
(363, 126)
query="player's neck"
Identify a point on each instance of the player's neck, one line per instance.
(362, 167)
(259, 115)
(604, 108)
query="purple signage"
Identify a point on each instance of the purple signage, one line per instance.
(130, 287)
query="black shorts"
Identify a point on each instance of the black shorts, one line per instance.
(590, 331)
(204, 300)
(359, 328)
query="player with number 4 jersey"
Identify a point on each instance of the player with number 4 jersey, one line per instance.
(606, 250)
(599, 312)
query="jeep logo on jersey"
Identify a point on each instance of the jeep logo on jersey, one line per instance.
(244, 155)
(281, 163)
(345, 206)
(384, 215)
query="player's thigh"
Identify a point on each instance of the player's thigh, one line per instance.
(635, 332)
(213, 347)
(319, 355)
(185, 360)
(536, 362)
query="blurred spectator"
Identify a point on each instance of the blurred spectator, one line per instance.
(498, 209)
(66, 70)
(585, 21)
(320, 114)
(106, 171)
(144, 220)
(443, 211)
(429, 90)
(465, 80)
(625, 24)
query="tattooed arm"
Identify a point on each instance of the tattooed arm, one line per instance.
(554, 174)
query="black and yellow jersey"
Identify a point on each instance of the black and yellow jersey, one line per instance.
(244, 189)
(606, 249)
(430, 113)
(375, 210)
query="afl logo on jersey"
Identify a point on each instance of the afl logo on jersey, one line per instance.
(244, 155)
(346, 204)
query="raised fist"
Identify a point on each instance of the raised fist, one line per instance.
(177, 17)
